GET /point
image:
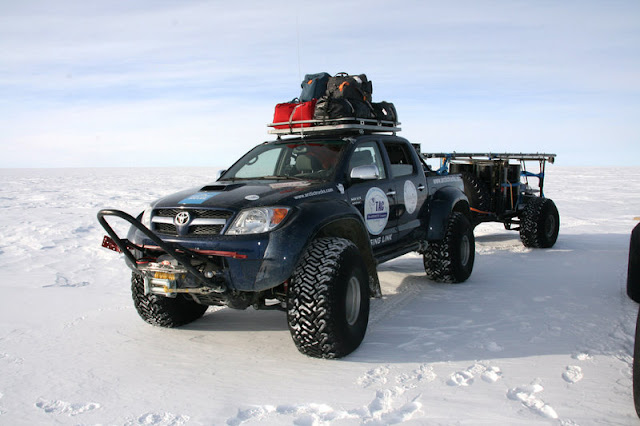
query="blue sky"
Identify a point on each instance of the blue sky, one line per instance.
(194, 83)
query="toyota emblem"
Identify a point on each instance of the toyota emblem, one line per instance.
(182, 218)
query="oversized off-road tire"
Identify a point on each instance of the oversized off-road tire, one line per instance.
(539, 223)
(636, 367)
(451, 260)
(163, 311)
(479, 197)
(328, 299)
(633, 268)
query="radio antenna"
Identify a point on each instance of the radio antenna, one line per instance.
(298, 41)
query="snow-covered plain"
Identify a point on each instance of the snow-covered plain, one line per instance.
(533, 337)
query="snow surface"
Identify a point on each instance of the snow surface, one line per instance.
(533, 337)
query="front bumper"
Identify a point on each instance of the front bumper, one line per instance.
(249, 263)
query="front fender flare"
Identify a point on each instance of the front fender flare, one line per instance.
(315, 219)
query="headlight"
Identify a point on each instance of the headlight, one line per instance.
(146, 217)
(258, 220)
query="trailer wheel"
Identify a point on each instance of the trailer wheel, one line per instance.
(328, 299)
(478, 195)
(539, 223)
(451, 260)
(163, 311)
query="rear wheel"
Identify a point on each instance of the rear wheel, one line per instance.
(451, 260)
(328, 299)
(163, 311)
(539, 223)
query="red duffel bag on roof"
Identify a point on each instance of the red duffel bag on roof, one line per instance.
(289, 112)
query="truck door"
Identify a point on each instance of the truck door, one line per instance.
(409, 183)
(374, 198)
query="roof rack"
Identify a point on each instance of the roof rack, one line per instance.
(338, 125)
(492, 156)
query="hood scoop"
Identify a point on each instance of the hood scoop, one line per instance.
(220, 188)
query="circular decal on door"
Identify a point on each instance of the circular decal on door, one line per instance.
(376, 210)
(410, 197)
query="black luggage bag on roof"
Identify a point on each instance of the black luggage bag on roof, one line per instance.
(328, 108)
(385, 111)
(347, 86)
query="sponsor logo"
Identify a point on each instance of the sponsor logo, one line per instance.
(313, 193)
(381, 240)
(376, 210)
(198, 197)
(410, 197)
(447, 179)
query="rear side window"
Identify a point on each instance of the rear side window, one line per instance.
(400, 159)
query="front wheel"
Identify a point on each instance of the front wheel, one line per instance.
(451, 260)
(539, 223)
(636, 367)
(161, 310)
(328, 299)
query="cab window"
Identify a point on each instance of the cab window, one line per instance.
(400, 159)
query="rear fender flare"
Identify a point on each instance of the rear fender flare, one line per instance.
(445, 201)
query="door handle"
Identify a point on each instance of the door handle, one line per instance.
(421, 187)
(391, 193)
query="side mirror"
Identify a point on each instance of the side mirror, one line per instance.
(220, 173)
(367, 172)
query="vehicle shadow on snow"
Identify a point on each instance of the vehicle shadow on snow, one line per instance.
(518, 302)
(233, 320)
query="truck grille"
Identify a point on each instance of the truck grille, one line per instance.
(201, 222)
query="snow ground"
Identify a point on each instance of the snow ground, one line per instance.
(534, 336)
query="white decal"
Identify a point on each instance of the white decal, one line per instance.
(314, 193)
(376, 210)
(410, 197)
(381, 240)
(447, 179)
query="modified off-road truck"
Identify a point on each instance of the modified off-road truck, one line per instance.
(298, 224)
(500, 188)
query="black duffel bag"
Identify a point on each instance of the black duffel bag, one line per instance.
(385, 111)
(343, 85)
(329, 108)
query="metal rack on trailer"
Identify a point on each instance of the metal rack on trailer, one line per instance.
(493, 158)
(499, 190)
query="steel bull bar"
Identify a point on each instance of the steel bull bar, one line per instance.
(182, 255)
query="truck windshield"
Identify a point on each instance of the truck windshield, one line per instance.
(289, 160)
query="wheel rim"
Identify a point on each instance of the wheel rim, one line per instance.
(549, 226)
(465, 250)
(352, 300)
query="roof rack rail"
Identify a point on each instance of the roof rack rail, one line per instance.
(492, 156)
(338, 125)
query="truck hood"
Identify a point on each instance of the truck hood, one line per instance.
(236, 195)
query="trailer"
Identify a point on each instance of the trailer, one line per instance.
(503, 187)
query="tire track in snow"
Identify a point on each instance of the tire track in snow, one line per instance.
(390, 305)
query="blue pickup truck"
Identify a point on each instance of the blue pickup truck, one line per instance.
(298, 224)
